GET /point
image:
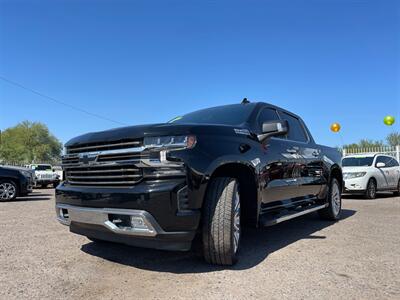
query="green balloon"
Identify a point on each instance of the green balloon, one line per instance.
(389, 120)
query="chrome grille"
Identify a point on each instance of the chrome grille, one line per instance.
(103, 146)
(101, 164)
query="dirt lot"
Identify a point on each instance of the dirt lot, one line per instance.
(358, 257)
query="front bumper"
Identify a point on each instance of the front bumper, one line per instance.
(46, 181)
(100, 223)
(91, 212)
(355, 185)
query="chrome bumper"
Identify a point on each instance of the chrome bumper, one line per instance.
(141, 222)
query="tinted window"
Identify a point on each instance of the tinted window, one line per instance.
(388, 161)
(395, 163)
(227, 115)
(296, 131)
(42, 168)
(267, 114)
(357, 161)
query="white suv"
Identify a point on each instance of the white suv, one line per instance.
(367, 174)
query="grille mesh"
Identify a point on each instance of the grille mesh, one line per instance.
(104, 164)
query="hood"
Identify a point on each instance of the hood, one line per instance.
(140, 131)
(9, 168)
(356, 169)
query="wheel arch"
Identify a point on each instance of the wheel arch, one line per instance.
(248, 187)
(336, 172)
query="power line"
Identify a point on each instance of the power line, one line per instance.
(58, 101)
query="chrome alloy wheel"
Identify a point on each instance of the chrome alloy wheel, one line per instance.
(371, 189)
(7, 191)
(336, 199)
(236, 220)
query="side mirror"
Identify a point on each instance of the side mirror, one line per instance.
(273, 128)
(380, 165)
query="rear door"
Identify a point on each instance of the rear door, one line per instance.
(393, 167)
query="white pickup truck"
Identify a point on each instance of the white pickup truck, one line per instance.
(45, 175)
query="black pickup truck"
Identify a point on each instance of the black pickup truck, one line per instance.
(209, 172)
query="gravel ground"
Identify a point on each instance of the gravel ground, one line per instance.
(356, 258)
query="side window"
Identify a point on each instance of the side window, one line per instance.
(383, 159)
(296, 130)
(395, 163)
(391, 162)
(267, 114)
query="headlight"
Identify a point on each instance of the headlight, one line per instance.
(353, 175)
(178, 142)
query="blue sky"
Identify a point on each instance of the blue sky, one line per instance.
(148, 61)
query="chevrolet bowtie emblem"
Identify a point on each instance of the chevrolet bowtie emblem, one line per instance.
(86, 159)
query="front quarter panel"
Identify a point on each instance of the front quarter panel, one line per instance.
(211, 152)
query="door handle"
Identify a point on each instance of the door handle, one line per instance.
(291, 150)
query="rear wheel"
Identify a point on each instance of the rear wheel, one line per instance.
(334, 208)
(8, 190)
(221, 222)
(370, 193)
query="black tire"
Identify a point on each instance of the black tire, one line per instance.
(221, 230)
(334, 199)
(96, 240)
(8, 190)
(370, 192)
(397, 193)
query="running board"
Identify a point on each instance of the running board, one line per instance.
(269, 220)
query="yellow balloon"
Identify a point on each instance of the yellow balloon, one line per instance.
(389, 120)
(335, 127)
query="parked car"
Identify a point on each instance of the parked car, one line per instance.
(14, 183)
(45, 175)
(207, 172)
(370, 173)
(59, 172)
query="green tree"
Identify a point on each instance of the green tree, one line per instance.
(29, 142)
(393, 139)
(364, 143)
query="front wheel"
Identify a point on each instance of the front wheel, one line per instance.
(8, 190)
(370, 193)
(397, 193)
(94, 240)
(334, 208)
(221, 221)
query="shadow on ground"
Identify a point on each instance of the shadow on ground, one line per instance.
(34, 196)
(257, 244)
(382, 195)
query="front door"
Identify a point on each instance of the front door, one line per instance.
(281, 176)
(382, 174)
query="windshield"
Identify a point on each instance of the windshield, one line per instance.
(226, 115)
(42, 168)
(357, 161)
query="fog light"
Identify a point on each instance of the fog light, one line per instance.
(64, 213)
(138, 223)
